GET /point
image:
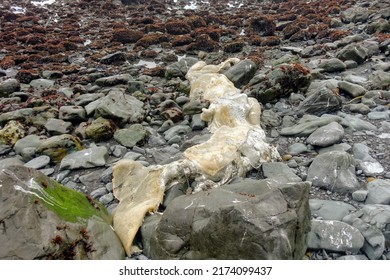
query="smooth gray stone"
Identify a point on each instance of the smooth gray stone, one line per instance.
(57, 127)
(334, 171)
(353, 123)
(322, 101)
(11, 161)
(38, 162)
(197, 123)
(279, 172)
(30, 141)
(113, 80)
(336, 147)
(332, 65)
(374, 240)
(357, 108)
(129, 137)
(106, 199)
(353, 258)
(378, 192)
(352, 89)
(308, 124)
(177, 130)
(9, 86)
(297, 148)
(369, 165)
(327, 135)
(334, 236)
(73, 113)
(360, 80)
(98, 193)
(42, 83)
(379, 115)
(330, 210)
(360, 195)
(241, 73)
(87, 158)
(180, 68)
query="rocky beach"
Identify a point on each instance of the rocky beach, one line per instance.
(195, 129)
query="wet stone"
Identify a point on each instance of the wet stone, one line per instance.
(38, 162)
(9, 86)
(378, 192)
(335, 236)
(326, 135)
(42, 83)
(57, 127)
(72, 113)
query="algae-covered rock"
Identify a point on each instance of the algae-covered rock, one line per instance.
(282, 81)
(41, 219)
(11, 133)
(57, 147)
(100, 129)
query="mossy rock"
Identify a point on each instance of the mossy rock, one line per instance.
(57, 147)
(46, 220)
(11, 133)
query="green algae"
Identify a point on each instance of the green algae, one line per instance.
(68, 204)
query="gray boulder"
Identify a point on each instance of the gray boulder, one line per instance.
(279, 172)
(248, 219)
(334, 171)
(334, 236)
(45, 220)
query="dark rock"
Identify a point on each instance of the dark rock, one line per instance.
(324, 100)
(241, 73)
(180, 68)
(353, 52)
(114, 58)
